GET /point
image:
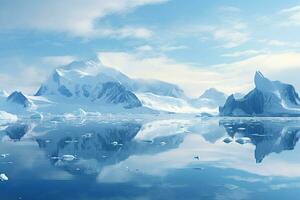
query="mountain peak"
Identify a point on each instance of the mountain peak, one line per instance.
(262, 83)
(212, 93)
(19, 98)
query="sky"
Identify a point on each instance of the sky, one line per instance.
(195, 44)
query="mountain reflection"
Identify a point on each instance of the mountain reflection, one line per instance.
(268, 136)
(95, 145)
(17, 131)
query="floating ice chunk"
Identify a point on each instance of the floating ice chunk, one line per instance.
(115, 143)
(4, 155)
(68, 157)
(71, 141)
(80, 113)
(3, 177)
(163, 143)
(243, 140)
(227, 140)
(37, 116)
(87, 135)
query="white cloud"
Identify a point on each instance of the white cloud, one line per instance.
(229, 34)
(280, 43)
(75, 17)
(231, 9)
(231, 37)
(58, 60)
(26, 80)
(30, 77)
(292, 15)
(250, 52)
(173, 48)
(144, 48)
(229, 77)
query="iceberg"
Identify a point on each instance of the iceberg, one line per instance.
(268, 98)
(3, 177)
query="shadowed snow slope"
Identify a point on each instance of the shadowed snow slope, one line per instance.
(269, 98)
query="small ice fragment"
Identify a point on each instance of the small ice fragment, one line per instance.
(227, 140)
(3, 177)
(4, 155)
(87, 135)
(242, 140)
(163, 143)
(71, 141)
(115, 143)
(68, 157)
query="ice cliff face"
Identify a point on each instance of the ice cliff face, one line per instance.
(269, 98)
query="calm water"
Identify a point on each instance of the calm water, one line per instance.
(166, 159)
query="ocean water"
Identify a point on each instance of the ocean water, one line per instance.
(193, 158)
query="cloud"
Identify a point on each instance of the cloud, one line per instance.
(228, 77)
(144, 48)
(58, 60)
(230, 9)
(173, 48)
(75, 17)
(231, 37)
(250, 52)
(292, 15)
(230, 33)
(29, 76)
(280, 43)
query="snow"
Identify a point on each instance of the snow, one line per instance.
(170, 104)
(3, 177)
(7, 117)
(269, 98)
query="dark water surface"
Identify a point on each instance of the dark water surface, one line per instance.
(167, 159)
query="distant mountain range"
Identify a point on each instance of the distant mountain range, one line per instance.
(92, 87)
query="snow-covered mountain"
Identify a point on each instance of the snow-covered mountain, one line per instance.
(84, 79)
(211, 98)
(93, 87)
(269, 98)
(91, 83)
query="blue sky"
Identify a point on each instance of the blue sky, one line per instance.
(195, 44)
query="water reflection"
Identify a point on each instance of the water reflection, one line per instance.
(268, 136)
(95, 145)
(178, 158)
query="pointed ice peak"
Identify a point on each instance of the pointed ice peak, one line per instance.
(262, 83)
